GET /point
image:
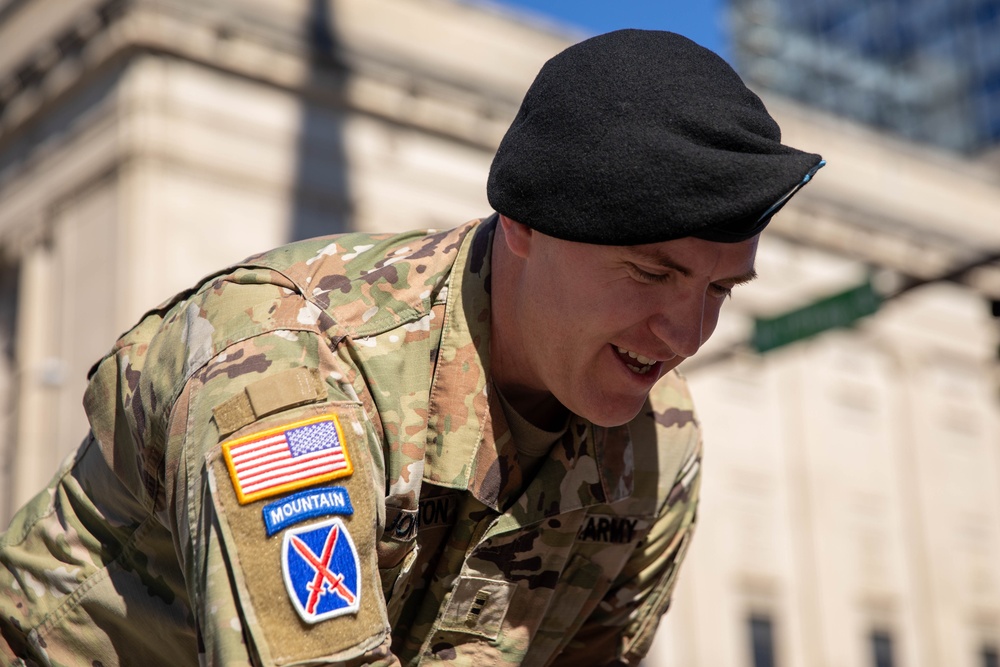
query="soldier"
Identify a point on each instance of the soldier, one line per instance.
(468, 446)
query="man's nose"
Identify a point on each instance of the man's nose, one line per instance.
(680, 325)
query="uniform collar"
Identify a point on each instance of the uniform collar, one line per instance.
(469, 443)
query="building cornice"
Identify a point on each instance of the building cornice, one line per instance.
(882, 241)
(275, 52)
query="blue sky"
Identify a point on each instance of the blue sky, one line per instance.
(700, 20)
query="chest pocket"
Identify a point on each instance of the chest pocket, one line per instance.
(604, 544)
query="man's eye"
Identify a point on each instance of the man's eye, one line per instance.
(721, 291)
(648, 277)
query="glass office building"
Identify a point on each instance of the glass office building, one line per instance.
(928, 70)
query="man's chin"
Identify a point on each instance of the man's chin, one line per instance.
(619, 416)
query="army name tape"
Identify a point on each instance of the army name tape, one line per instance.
(610, 529)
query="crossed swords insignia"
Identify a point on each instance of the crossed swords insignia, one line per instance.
(325, 580)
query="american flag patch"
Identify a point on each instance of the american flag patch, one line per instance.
(287, 458)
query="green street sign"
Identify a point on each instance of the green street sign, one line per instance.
(838, 310)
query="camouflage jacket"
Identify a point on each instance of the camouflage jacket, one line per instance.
(302, 462)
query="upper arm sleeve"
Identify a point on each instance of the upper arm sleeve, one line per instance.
(241, 579)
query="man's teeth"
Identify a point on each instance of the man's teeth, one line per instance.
(645, 361)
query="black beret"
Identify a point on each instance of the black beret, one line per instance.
(641, 136)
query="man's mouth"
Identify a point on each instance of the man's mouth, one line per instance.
(636, 362)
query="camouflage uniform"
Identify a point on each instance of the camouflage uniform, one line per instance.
(148, 548)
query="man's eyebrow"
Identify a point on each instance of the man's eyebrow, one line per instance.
(741, 279)
(661, 260)
(669, 263)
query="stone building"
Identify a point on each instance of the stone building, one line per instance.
(851, 511)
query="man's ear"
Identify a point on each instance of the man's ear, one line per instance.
(516, 236)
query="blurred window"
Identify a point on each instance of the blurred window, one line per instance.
(762, 640)
(989, 657)
(881, 646)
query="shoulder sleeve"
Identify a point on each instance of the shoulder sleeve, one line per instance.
(274, 486)
(621, 629)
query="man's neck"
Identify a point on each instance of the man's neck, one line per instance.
(507, 354)
(540, 409)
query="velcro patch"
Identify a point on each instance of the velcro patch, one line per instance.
(271, 619)
(286, 458)
(303, 505)
(321, 570)
(478, 606)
